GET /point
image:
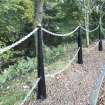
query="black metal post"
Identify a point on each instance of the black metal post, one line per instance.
(80, 56)
(41, 94)
(100, 47)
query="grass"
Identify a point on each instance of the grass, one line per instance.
(13, 92)
(12, 97)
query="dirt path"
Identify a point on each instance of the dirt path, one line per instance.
(74, 86)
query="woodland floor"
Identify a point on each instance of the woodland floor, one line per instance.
(74, 85)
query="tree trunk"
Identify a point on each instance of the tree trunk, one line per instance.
(38, 17)
(86, 4)
(38, 12)
(87, 29)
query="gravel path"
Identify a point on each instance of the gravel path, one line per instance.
(73, 86)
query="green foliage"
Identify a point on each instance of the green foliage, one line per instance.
(16, 20)
(25, 66)
(71, 10)
(14, 15)
(11, 97)
(7, 55)
(22, 67)
(53, 54)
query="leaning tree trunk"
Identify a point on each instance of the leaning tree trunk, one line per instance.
(38, 12)
(87, 28)
(86, 5)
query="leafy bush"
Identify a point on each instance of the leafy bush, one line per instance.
(22, 67)
(15, 19)
(25, 66)
(7, 55)
(52, 54)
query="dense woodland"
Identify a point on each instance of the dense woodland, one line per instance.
(19, 17)
(60, 16)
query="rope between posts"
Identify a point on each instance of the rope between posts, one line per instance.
(70, 62)
(18, 42)
(90, 30)
(55, 34)
(30, 92)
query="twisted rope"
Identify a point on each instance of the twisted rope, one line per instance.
(30, 92)
(70, 62)
(18, 42)
(55, 34)
(90, 30)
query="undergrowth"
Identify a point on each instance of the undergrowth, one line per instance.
(24, 72)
